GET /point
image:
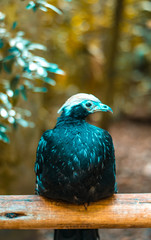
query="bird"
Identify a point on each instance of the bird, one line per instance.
(75, 161)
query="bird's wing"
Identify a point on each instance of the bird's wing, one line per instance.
(109, 153)
(108, 148)
(41, 155)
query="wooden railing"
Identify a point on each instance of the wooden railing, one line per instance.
(35, 212)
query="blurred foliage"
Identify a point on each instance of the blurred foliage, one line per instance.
(132, 67)
(79, 40)
(22, 70)
(42, 5)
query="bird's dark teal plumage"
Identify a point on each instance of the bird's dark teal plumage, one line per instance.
(75, 160)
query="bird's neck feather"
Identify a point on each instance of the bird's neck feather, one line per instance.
(76, 114)
(70, 119)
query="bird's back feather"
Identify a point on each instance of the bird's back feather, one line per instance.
(75, 163)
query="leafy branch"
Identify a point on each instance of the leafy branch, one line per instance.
(21, 69)
(43, 5)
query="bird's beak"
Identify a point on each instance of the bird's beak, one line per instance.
(102, 107)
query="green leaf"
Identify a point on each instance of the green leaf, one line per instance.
(31, 124)
(26, 113)
(42, 72)
(28, 84)
(28, 75)
(3, 128)
(13, 49)
(2, 30)
(34, 8)
(15, 125)
(20, 34)
(60, 72)
(16, 93)
(54, 69)
(27, 70)
(53, 66)
(4, 137)
(4, 113)
(1, 43)
(21, 62)
(2, 16)
(14, 25)
(43, 8)
(4, 98)
(50, 6)
(23, 92)
(42, 61)
(8, 66)
(8, 58)
(30, 5)
(22, 122)
(33, 46)
(14, 82)
(50, 81)
(40, 89)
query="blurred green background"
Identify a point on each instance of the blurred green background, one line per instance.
(101, 47)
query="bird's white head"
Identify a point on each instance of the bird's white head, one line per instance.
(83, 104)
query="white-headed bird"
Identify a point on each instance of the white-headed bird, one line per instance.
(75, 160)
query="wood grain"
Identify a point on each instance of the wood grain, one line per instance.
(36, 212)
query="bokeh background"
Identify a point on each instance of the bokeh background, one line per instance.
(104, 48)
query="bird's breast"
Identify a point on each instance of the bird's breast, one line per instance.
(77, 149)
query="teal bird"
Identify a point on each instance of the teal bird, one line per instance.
(75, 160)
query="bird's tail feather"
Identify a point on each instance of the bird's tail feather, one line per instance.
(76, 234)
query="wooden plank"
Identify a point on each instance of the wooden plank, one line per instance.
(35, 212)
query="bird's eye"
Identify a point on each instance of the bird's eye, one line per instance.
(88, 104)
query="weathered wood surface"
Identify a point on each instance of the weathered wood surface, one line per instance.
(35, 212)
